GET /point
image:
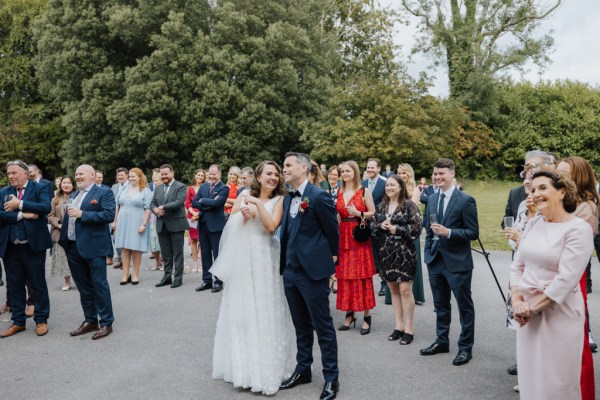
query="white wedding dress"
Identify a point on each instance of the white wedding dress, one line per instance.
(255, 341)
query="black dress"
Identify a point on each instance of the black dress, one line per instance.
(397, 253)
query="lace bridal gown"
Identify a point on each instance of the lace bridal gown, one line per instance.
(255, 341)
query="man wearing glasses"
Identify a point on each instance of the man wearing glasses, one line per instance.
(24, 239)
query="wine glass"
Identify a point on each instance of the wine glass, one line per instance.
(433, 219)
(7, 198)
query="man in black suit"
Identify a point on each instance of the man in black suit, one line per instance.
(171, 224)
(309, 248)
(449, 260)
(210, 200)
(24, 239)
(376, 184)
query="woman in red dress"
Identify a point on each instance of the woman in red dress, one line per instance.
(192, 216)
(356, 265)
(232, 181)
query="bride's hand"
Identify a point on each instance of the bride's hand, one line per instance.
(251, 199)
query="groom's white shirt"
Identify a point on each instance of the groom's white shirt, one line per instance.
(297, 200)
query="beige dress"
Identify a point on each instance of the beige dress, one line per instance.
(550, 260)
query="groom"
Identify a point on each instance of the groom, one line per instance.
(309, 248)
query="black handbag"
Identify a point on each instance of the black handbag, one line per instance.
(362, 231)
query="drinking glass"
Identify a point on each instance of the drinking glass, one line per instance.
(433, 219)
(508, 222)
(7, 198)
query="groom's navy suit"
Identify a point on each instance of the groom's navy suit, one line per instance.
(450, 264)
(309, 241)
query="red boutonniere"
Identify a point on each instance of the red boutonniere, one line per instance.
(94, 201)
(304, 205)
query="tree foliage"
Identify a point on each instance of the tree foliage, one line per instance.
(30, 128)
(477, 39)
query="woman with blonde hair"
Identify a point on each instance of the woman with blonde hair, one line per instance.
(233, 177)
(192, 217)
(356, 265)
(131, 235)
(414, 194)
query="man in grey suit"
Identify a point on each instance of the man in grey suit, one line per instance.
(117, 189)
(171, 223)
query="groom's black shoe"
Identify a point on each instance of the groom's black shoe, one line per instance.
(330, 390)
(204, 286)
(295, 380)
(435, 348)
(164, 282)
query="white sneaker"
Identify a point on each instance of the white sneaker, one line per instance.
(516, 388)
(66, 287)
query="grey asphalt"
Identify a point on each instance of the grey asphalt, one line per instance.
(161, 348)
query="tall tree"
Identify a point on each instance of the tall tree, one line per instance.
(478, 39)
(29, 127)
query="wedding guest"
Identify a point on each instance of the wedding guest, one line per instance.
(398, 223)
(57, 185)
(356, 266)
(232, 182)
(35, 175)
(388, 171)
(333, 178)
(546, 298)
(192, 216)
(100, 179)
(154, 244)
(87, 244)
(582, 174)
(253, 305)
(408, 175)
(131, 233)
(422, 184)
(246, 179)
(121, 176)
(24, 239)
(316, 177)
(60, 266)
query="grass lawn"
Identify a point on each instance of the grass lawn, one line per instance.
(491, 197)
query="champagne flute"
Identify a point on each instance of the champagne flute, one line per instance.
(433, 219)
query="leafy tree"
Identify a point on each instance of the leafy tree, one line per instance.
(30, 128)
(561, 117)
(479, 39)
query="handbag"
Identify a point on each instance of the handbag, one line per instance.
(510, 316)
(362, 232)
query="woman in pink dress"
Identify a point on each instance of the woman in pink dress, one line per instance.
(546, 298)
(192, 216)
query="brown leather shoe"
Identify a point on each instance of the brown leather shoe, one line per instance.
(13, 330)
(4, 309)
(41, 329)
(84, 328)
(29, 311)
(103, 332)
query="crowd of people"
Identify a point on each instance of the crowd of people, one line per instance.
(302, 232)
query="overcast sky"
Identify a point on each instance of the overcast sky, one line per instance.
(575, 56)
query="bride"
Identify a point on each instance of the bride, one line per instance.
(255, 340)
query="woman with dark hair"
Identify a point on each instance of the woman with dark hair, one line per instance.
(545, 294)
(254, 341)
(356, 265)
(60, 267)
(316, 177)
(398, 223)
(333, 178)
(582, 174)
(192, 217)
(131, 235)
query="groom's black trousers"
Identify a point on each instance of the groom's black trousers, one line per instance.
(309, 305)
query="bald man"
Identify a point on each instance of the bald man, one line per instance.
(87, 244)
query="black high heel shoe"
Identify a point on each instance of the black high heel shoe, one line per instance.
(364, 331)
(346, 327)
(395, 335)
(126, 282)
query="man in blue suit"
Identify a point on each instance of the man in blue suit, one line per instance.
(24, 239)
(309, 248)
(35, 175)
(376, 184)
(210, 200)
(86, 239)
(449, 261)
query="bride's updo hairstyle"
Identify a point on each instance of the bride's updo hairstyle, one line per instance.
(255, 186)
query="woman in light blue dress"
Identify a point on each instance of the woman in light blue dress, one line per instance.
(131, 235)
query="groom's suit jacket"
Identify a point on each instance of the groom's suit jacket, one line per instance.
(311, 239)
